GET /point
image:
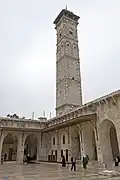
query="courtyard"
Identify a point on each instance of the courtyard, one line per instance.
(48, 171)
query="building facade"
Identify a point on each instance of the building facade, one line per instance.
(77, 129)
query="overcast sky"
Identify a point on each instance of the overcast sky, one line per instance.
(28, 52)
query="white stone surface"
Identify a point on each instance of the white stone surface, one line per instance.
(110, 173)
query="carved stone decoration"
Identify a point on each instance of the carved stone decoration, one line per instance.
(3, 123)
(65, 30)
(68, 48)
(62, 49)
(22, 124)
(75, 51)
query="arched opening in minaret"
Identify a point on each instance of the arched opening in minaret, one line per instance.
(68, 48)
(75, 50)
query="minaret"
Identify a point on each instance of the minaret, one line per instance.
(68, 78)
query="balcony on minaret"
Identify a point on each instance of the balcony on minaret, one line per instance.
(67, 14)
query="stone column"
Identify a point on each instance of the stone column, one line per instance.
(20, 148)
(98, 146)
(69, 145)
(82, 141)
(97, 139)
(39, 148)
(1, 143)
(58, 146)
(44, 147)
(117, 127)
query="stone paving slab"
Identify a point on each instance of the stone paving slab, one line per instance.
(13, 171)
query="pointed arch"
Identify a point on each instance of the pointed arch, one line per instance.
(31, 146)
(10, 143)
(108, 140)
(62, 49)
(64, 29)
(58, 52)
(90, 147)
(67, 48)
(75, 50)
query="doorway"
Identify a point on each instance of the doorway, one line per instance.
(56, 155)
(10, 154)
(66, 155)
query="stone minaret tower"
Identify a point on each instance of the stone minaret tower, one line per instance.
(68, 78)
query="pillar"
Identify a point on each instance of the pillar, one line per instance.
(38, 148)
(1, 143)
(43, 148)
(69, 145)
(20, 148)
(82, 141)
(58, 146)
(99, 153)
(97, 138)
(118, 133)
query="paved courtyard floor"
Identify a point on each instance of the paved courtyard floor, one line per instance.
(47, 171)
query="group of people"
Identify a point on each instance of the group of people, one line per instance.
(28, 158)
(73, 162)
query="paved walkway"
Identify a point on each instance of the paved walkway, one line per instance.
(47, 171)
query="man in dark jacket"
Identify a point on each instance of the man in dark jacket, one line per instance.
(85, 162)
(73, 161)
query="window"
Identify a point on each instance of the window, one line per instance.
(67, 155)
(53, 140)
(72, 78)
(60, 35)
(61, 152)
(63, 139)
(68, 45)
(70, 16)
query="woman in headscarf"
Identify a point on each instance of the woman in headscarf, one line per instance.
(63, 161)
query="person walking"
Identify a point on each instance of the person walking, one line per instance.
(2, 158)
(73, 161)
(5, 157)
(116, 161)
(85, 162)
(63, 161)
(24, 159)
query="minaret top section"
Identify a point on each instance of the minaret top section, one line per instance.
(68, 14)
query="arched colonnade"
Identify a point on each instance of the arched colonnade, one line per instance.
(83, 141)
(15, 145)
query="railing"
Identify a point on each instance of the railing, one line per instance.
(21, 123)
